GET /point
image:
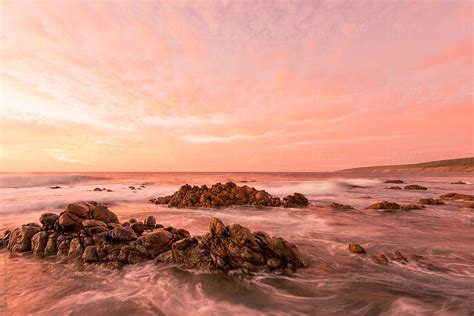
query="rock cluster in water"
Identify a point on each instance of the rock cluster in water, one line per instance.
(222, 195)
(89, 232)
(234, 247)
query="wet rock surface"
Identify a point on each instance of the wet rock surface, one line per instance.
(89, 232)
(222, 195)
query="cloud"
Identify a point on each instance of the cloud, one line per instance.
(184, 121)
(61, 155)
(209, 139)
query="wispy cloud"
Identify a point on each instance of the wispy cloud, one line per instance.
(208, 139)
(61, 155)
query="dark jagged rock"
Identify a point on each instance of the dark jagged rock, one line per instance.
(48, 220)
(93, 241)
(295, 200)
(457, 196)
(458, 182)
(150, 221)
(394, 181)
(138, 227)
(430, 201)
(55, 187)
(338, 206)
(394, 188)
(415, 187)
(223, 195)
(235, 247)
(356, 248)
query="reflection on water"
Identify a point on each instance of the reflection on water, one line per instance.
(336, 281)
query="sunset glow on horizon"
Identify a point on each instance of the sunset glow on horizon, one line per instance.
(234, 86)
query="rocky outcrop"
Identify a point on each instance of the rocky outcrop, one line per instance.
(458, 182)
(235, 247)
(415, 187)
(394, 188)
(89, 232)
(457, 196)
(223, 195)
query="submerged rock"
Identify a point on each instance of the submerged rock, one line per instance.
(457, 196)
(410, 207)
(394, 181)
(223, 195)
(356, 248)
(392, 206)
(380, 259)
(415, 187)
(384, 205)
(338, 206)
(235, 247)
(430, 201)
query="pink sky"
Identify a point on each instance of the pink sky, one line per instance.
(234, 85)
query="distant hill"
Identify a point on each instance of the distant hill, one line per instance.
(461, 165)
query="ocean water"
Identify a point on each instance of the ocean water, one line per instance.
(335, 282)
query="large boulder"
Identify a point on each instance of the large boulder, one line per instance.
(102, 213)
(75, 249)
(20, 238)
(76, 214)
(156, 242)
(150, 221)
(123, 233)
(295, 200)
(48, 220)
(236, 248)
(39, 241)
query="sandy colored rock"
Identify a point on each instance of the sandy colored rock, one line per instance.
(356, 248)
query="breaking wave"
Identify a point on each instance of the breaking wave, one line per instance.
(38, 180)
